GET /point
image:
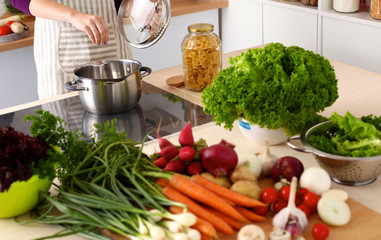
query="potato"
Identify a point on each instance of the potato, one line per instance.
(223, 181)
(247, 188)
(242, 173)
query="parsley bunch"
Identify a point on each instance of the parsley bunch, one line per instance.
(274, 87)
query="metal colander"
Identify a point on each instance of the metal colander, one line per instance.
(353, 171)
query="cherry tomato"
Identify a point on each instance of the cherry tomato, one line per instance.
(285, 192)
(305, 209)
(279, 204)
(4, 30)
(320, 231)
(311, 199)
(302, 191)
(261, 210)
(269, 195)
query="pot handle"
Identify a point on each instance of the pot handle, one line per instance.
(145, 71)
(291, 145)
(73, 86)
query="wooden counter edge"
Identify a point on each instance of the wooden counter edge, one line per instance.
(178, 8)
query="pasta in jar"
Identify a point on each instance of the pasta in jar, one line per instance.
(201, 50)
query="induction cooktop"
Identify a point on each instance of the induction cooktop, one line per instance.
(155, 107)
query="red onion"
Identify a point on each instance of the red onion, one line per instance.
(219, 159)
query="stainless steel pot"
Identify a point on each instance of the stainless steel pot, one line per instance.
(107, 87)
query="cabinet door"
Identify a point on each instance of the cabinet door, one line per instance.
(241, 25)
(352, 43)
(167, 51)
(290, 26)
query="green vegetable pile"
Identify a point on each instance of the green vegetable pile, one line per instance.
(350, 136)
(274, 87)
(106, 186)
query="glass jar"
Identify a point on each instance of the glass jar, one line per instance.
(202, 56)
(346, 6)
(375, 9)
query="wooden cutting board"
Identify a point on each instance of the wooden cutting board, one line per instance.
(365, 224)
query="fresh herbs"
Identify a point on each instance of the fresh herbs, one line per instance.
(21, 156)
(105, 185)
(274, 87)
(350, 136)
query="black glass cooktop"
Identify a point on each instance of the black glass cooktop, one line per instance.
(155, 106)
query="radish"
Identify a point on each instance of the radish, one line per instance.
(187, 153)
(169, 152)
(186, 136)
(194, 168)
(219, 159)
(161, 162)
(175, 166)
(162, 142)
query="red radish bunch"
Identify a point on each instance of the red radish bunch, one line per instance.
(192, 157)
(180, 159)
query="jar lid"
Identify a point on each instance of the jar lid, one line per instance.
(200, 27)
(143, 22)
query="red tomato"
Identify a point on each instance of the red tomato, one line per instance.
(261, 210)
(311, 199)
(4, 30)
(279, 204)
(285, 192)
(269, 195)
(302, 192)
(320, 231)
(9, 23)
(305, 209)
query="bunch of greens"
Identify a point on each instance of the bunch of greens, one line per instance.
(274, 87)
(105, 186)
(350, 136)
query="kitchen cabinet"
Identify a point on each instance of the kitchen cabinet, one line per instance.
(241, 25)
(352, 38)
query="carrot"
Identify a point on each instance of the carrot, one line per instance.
(201, 225)
(200, 194)
(205, 237)
(195, 208)
(232, 222)
(226, 193)
(162, 182)
(252, 216)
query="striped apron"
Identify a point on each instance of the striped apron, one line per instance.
(59, 48)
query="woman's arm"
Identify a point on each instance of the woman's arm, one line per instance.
(94, 26)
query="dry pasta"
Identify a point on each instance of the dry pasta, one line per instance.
(201, 60)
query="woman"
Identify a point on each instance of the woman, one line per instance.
(70, 33)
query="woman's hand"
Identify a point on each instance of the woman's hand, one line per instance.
(94, 26)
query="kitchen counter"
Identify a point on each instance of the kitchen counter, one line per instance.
(358, 93)
(178, 8)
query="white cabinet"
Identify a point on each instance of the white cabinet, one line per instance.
(352, 38)
(290, 26)
(352, 43)
(241, 25)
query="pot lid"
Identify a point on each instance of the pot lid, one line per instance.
(143, 22)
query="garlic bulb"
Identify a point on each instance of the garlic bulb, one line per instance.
(280, 234)
(268, 159)
(291, 218)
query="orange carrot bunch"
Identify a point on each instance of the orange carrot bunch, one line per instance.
(216, 207)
